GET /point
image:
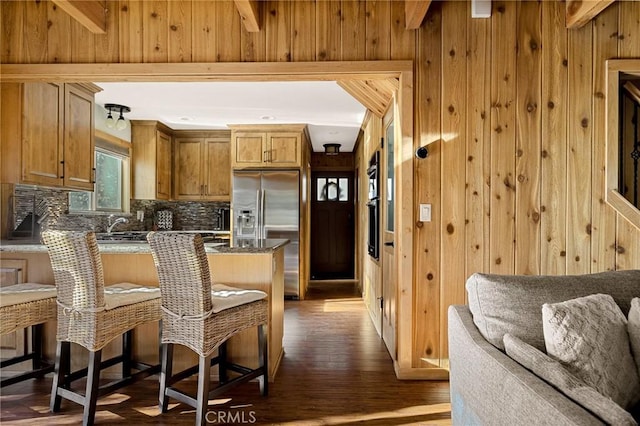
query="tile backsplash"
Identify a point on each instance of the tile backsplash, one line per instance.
(51, 208)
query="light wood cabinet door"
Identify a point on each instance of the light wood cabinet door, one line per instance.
(202, 168)
(42, 133)
(163, 165)
(216, 168)
(188, 154)
(249, 149)
(78, 166)
(151, 158)
(283, 149)
(49, 134)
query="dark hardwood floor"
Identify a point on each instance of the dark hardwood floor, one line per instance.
(336, 371)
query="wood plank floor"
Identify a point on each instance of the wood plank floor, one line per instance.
(336, 371)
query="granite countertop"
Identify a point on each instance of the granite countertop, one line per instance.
(237, 245)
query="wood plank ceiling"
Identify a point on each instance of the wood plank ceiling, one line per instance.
(375, 95)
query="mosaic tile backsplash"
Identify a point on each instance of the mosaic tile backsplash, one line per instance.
(51, 212)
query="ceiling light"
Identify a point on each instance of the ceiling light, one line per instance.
(121, 123)
(267, 117)
(331, 148)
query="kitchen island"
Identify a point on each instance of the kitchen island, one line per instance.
(243, 263)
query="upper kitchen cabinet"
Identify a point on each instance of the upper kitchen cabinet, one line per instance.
(202, 165)
(260, 146)
(48, 134)
(151, 158)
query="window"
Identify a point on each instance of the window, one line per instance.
(390, 157)
(112, 180)
(623, 137)
(629, 137)
(332, 189)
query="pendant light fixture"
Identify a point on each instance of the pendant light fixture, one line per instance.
(119, 124)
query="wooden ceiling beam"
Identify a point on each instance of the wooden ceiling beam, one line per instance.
(91, 14)
(580, 12)
(250, 13)
(414, 13)
(369, 94)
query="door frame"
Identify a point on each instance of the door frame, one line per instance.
(389, 289)
(288, 71)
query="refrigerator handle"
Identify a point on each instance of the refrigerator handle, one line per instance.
(263, 233)
(258, 216)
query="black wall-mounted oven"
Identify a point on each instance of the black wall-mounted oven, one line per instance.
(373, 206)
(373, 239)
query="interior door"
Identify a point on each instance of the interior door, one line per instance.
(332, 225)
(389, 326)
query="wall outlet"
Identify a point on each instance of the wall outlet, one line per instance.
(425, 212)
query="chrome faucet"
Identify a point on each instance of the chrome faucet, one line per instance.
(114, 223)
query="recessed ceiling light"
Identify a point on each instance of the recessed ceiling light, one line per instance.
(186, 118)
(267, 117)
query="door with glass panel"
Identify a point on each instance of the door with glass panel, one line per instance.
(332, 225)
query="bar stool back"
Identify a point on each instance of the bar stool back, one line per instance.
(91, 315)
(203, 318)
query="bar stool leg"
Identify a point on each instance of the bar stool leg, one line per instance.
(165, 375)
(204, 381)
(222, 365)
(36, 346)
(61, 372)
(263, 354)
(127, 345)
(91, 393)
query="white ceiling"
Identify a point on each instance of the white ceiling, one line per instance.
(332, 115)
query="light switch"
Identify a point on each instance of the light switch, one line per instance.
(425, 212)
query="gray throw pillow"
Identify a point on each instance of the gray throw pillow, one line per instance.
(556, 375)
(589, 337)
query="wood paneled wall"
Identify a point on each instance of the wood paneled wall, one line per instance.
(512, 109)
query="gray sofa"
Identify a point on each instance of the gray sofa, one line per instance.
(490, 388)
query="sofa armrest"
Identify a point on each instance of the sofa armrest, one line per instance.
(488, 387)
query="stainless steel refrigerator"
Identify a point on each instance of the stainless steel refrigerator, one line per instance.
(266, 204)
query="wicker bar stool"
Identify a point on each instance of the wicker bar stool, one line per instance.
(22, 306)
(203, 317)
(92, 315)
